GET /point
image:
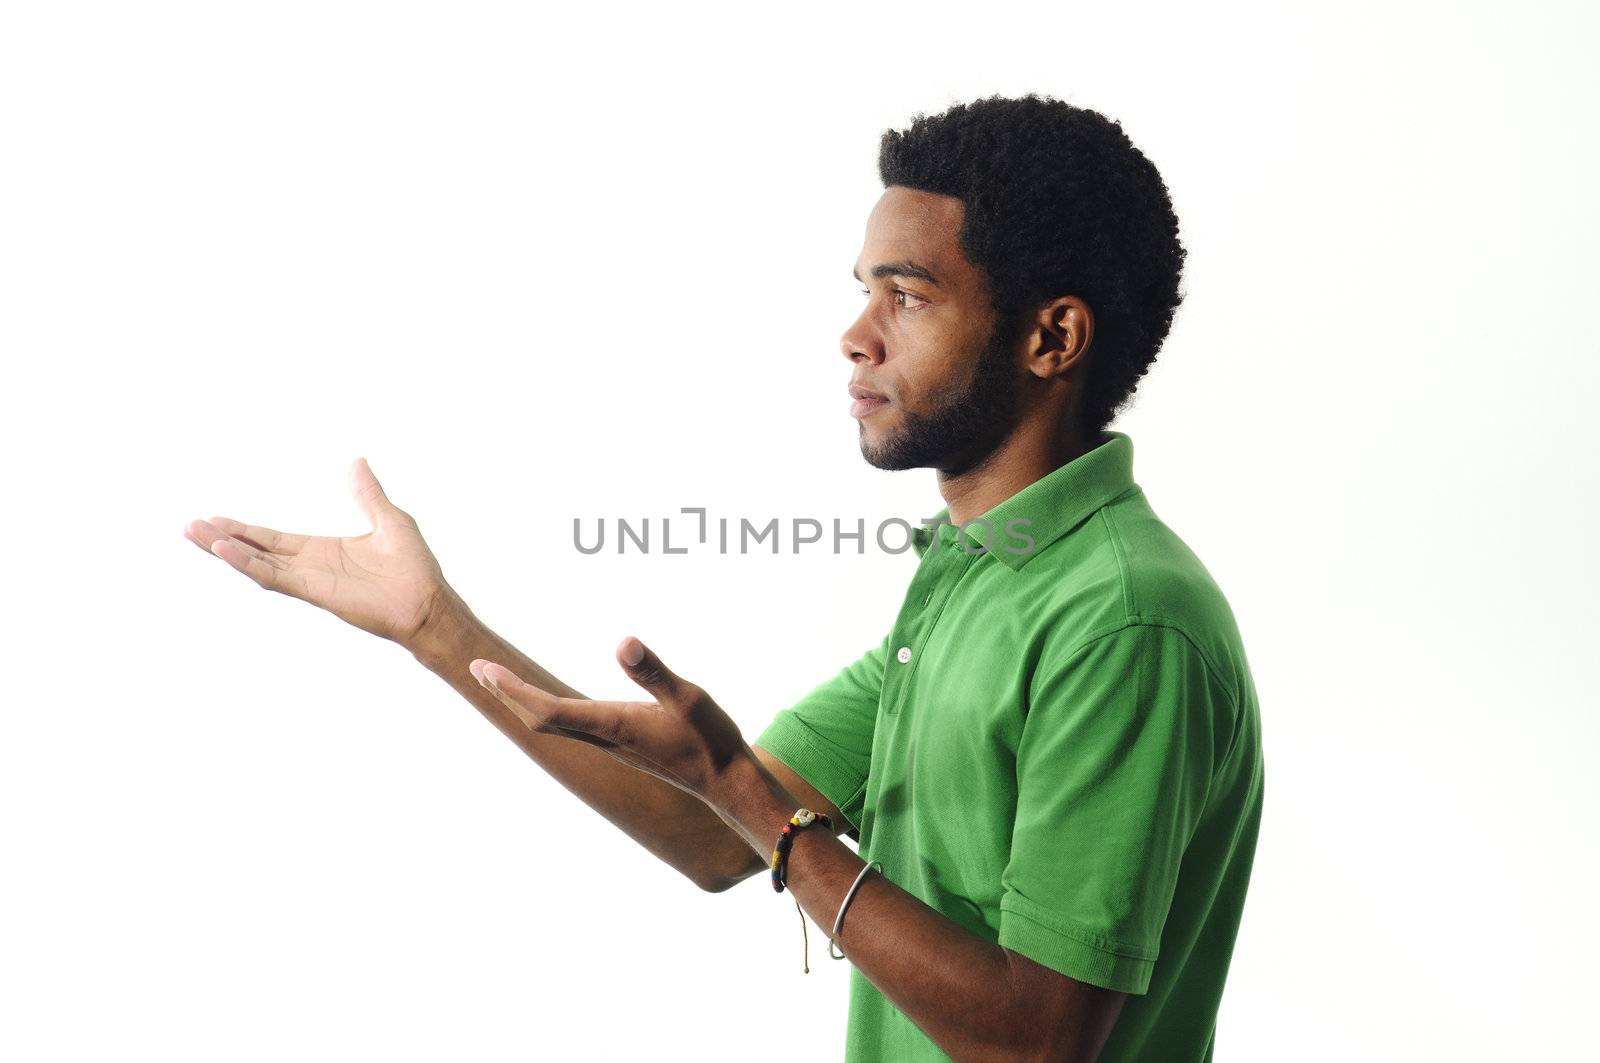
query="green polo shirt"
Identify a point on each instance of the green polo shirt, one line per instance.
(1058, 747)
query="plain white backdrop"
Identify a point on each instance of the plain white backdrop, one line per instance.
(539, 266)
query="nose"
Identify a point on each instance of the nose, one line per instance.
(861, 341)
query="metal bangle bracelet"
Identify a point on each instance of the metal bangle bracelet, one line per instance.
(839, 919)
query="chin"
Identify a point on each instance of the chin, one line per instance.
(878, 461)
(887, 454)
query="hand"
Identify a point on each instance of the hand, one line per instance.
(683, 737)
(386, 581)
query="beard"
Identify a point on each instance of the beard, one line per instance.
(969, 425)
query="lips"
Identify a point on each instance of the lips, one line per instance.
(866, 401)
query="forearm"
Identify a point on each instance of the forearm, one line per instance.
(961, 990)
(674, 825)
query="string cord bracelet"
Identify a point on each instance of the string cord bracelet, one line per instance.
(802, 819)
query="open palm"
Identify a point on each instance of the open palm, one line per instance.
(386, 581)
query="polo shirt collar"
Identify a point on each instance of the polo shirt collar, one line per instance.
(1051, 506)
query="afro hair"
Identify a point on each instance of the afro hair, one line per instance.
(1058, 201)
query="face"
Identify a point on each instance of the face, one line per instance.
(927, 344)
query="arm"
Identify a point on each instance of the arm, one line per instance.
(388, 583)
(976, 1000)
(672, 823)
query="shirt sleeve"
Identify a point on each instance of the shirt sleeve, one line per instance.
(1113, 769)
(827, 735)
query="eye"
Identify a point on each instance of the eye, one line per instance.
(900, 297)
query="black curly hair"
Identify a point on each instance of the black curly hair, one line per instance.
(1058, 201)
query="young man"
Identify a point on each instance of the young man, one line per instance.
(1054, 756)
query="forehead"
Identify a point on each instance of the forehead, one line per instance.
(924, 227)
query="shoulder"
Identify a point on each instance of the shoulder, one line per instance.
(1123, 573)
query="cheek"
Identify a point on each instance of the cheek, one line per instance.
(930, 382)
(933, 358)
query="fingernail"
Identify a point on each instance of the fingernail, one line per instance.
(633, 654)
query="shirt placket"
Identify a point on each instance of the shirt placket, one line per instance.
(941, 570)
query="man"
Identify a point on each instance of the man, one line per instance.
(1054, 756)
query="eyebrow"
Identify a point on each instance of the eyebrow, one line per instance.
(898, 269)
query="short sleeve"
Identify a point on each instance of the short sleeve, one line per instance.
(827, 735)
(1113, 769)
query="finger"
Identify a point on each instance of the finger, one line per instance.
(251, 562)
(646, 669)
(544, 711)
(203, 533)
(369, 493)
(261, 538)
(194, 530)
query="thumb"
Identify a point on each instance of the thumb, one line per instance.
(646, 669)
(369, 493)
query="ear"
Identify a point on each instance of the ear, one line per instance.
(1059, 337)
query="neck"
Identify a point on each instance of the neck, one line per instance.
(1036, 449)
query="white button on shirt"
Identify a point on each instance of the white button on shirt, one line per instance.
(904, 655)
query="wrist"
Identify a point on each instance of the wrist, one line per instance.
(446, 631)
(750, 798)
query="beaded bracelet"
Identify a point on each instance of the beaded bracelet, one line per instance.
(802, 819)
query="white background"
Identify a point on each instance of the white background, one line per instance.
(537, 267)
